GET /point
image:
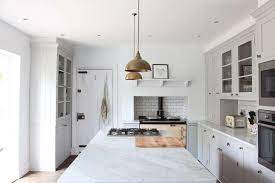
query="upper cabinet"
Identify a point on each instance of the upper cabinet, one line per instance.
(265, 23)
(226, 58)
(237, 60)
(64, 85)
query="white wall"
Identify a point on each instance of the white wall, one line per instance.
(17, 42)
(185, 62)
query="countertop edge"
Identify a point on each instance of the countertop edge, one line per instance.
(203, 123)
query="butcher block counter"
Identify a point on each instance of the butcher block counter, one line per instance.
(116, 159)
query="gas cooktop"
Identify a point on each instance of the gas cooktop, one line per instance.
(133, 132)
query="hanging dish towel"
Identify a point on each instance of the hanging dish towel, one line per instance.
(104, 103)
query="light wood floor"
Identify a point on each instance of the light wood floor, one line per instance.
(46, 177)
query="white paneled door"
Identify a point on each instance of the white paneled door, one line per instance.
(9, 116)
(90, 92)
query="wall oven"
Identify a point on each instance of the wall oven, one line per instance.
(267, 83)
(266, 139)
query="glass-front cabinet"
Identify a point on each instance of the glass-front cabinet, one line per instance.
(227, 72)
(64, 93)
(237, 68)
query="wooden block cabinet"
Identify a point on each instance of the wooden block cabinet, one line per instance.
(230, 160)
(50, 111)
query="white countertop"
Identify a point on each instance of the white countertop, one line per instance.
(116, 159)
(240, 134)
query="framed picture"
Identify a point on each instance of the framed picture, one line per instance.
(160, 71)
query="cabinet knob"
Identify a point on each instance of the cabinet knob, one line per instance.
(232, 94)
(219, 149)
(259, 56)
(217, 93)
(260, 172)
(237, 94)
(228, 144)
(213, 136)
(204, 130)
(209, 93)
(241, 148)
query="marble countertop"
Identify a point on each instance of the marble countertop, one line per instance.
(240, 134)
(116, 159)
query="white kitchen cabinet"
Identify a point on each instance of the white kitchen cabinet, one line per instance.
(238, 68)
(205, 146)
(265, 23)
(50, 104)
(213, 88)
(215, 155)
(60, 150)
(233, 73)
(229, 160)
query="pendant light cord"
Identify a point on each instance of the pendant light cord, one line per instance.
(138, 26)
(134, 15)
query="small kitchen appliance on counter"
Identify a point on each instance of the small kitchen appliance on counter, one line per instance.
(235, 121)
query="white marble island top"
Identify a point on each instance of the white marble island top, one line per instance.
(116, 159)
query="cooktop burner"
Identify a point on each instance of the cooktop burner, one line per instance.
(133, 132)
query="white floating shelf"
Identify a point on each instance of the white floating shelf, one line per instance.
(162, 83)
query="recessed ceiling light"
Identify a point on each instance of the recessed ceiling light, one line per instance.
(150, 35)
(23, 20)
(216, 22)
(197, 36)
(62, 35)
(98, 35)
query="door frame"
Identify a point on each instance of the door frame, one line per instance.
(114, 69)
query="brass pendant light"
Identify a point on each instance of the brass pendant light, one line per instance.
(138, 64)
(134, 75)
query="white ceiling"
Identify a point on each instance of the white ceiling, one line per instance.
(166, 20)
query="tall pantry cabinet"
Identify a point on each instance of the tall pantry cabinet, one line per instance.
(50, 104)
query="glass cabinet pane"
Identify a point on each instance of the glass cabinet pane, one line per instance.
(68, 80)
(227, 86)
(245, 50)
(61, 63)
(61, 94)
(68, 108)
(69, 66)
(245, 84)
(227, 72)
(226, 58)
(60, 110)
(245, 67)
(68, 94)
(61, 78)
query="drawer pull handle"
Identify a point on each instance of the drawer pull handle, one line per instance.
(213, 136)
(219, 149)
(228, 144)
(241, 148)
(259, 56)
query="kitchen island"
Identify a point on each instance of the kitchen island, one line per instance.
(117, 159)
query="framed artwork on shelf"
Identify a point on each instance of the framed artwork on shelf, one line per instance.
(160, 71)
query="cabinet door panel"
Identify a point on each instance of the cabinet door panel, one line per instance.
(216, 160)
(205, 148)
(228, 167)
(60, 146)
(267, 39)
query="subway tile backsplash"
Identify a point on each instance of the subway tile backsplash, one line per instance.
(148, 106)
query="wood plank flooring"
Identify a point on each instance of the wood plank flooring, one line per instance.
(46, 177)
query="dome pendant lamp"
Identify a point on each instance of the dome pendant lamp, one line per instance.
(134, 75)
(138, 64)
